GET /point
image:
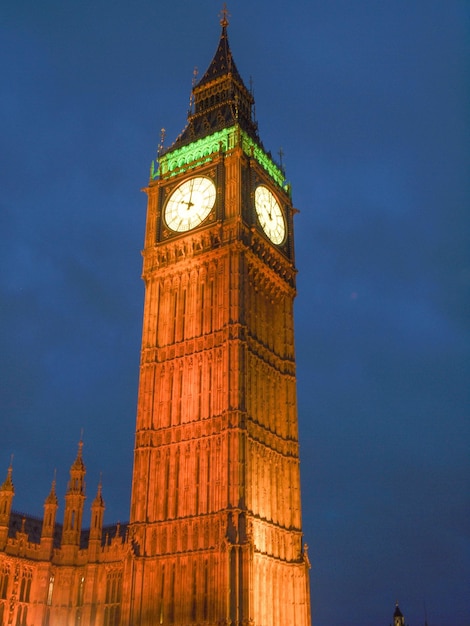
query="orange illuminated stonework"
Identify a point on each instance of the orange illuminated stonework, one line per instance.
(215, 531)
(55, 574)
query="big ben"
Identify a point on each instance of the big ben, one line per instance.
(215, 533)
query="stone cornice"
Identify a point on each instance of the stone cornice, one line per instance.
(178, 254)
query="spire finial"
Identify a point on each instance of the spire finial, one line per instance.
(193, 84)
(8, 483)
(52, 497)
(10, 468)
(162, 141)
(224, 15)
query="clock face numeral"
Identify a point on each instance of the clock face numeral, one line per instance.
(190, 204)
(270, 214)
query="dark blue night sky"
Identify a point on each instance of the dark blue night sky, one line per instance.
(369, 102)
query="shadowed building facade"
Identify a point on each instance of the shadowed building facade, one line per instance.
(215, 534)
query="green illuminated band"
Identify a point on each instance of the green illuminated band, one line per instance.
(199, 152)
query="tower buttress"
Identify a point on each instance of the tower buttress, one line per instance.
(7, 491)
(74, 501)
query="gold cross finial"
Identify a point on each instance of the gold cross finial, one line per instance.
(224, 14)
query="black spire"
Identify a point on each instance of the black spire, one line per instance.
(220, 98)
(222, 63)
(398, 619)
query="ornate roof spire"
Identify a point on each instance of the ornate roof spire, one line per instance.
(222, 64)
(219, 99)
(397, 612)
(98, 501)
(398, 619)
(8, 483)
(76, 484)
(78, 463)
(52, 497)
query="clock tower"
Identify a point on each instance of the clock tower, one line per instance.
(215, 525)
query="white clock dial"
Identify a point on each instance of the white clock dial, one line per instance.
(190, 204)
(270, 214)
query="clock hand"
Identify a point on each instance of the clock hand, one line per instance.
(189, 202)
(191, 194)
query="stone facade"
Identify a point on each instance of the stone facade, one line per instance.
(215, 533)
(53, 573)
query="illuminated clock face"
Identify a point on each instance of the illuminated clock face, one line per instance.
(190, 204)
(270, 214)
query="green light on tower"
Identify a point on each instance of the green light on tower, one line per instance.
(200, 151)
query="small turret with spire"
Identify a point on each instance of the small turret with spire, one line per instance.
(51, 504)
(7, 491)
(398, 619)
(96, 526)
(74, 502)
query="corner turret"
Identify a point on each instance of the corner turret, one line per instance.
(96, 525)
(51, 504)
(74, 502)
(7, 491)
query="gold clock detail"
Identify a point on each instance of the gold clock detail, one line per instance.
(270, 214)
(190, 203)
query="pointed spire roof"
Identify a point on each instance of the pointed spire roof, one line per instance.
(8, 482)
(76, 484)
(78, 464)
(397, 612)
(221, 99)
(98, 501)
(222, 64)
(52, 497)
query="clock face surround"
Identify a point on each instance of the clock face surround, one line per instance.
(190, 203)
(270, 214)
